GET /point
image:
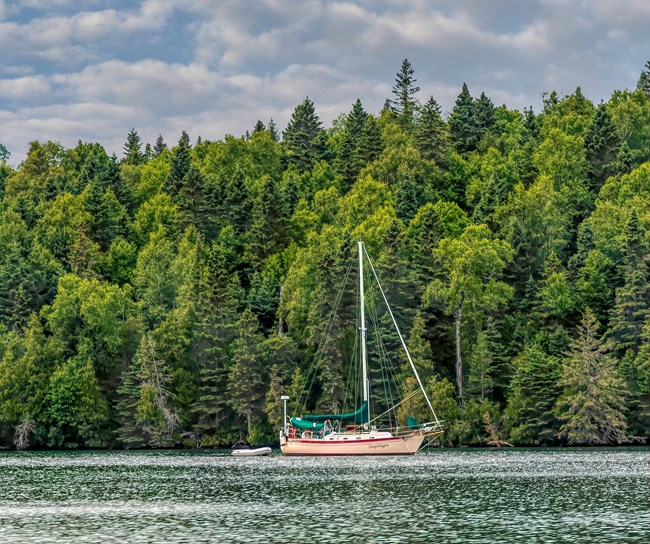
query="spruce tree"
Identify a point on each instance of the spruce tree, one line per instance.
(133, 149)
(303, 137)
(484, 116)
(180, 165)
(217, 311)
(197, 201)
(533, 391)
(644, 80)
(404, 90)
(633, 297)
(431, 136)
(349, 160)
(246, 375)
(371, 144)
(159, 146)
(602, 145)
(273, 131)
(592, 404)
(462, 122)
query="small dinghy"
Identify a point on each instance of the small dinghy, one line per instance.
(251, 452)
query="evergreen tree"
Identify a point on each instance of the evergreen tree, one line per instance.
(217, 316)
(133, 149)
(602, 144)
(146, 403)
(4, 154)
(246, 376)
(371, 144)
(533, 391)
(273, 131)
(159, 146)
(484, 116)
(350, 159)
(462, 122)
(197, 201)
(431, 136)
(644, 80)
(592, 403)
(180, 166)
(259, 127)
(633, 298)
(303, 137)
(404, 90)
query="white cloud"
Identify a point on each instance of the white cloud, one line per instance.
(64, 78)
(25, 88)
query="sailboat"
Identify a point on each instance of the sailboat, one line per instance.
(357, 432)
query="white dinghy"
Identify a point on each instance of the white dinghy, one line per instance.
(251, 452)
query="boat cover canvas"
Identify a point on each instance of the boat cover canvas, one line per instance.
(302, 423)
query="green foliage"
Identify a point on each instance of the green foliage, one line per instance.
(405, 90)
(592, 404)
(171, 297)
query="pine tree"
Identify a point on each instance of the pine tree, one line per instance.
(431, 136)
(404, 90)
(133, 149)
(246, 376)
(349, 160)
(602, 145)
(197, 201)
(533, 391)
(462, 122)
(592, 403)
(644, 80)
(633, 298)
(371, 144)
(259, 127)
(217, 311)
(180, 166)
(159, 146)
(273, 131)
(4, 154)
(303, 137)
(484, 116)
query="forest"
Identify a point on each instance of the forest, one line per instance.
(168, 297)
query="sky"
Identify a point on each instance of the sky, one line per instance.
(91, 70)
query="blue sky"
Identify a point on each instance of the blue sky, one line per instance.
(91, 70)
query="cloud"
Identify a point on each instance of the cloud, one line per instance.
(80, 37)
(76, 70)
(25, 88)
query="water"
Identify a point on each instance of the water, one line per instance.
(558, 495)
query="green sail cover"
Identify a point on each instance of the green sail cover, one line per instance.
(358, 417)
(301, 423)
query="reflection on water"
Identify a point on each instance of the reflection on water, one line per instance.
(443, 496)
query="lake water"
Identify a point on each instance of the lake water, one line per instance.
(554, 495)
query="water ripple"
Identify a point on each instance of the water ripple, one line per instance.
(554, 495)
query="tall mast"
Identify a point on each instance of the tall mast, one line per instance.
(364, 359)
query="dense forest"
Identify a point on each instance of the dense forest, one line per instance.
(168, 297)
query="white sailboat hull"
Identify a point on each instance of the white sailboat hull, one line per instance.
(354, 445)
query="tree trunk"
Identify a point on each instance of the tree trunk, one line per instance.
(459, 360)
(280, 316)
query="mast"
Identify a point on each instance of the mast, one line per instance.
(364, 358)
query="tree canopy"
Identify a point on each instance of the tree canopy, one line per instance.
(170, 296)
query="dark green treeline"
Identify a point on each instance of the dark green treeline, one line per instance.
(169, 297)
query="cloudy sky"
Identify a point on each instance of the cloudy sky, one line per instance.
(91, 69)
